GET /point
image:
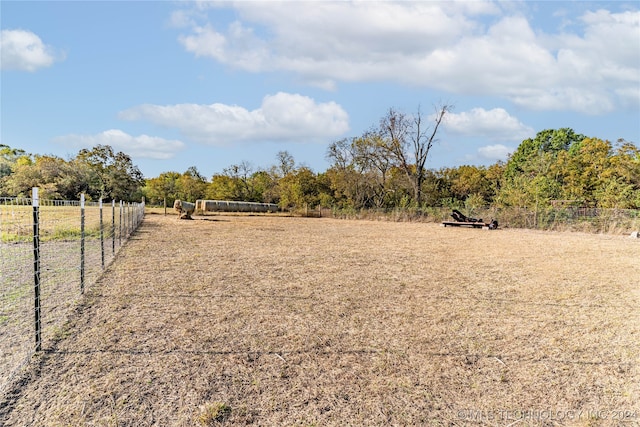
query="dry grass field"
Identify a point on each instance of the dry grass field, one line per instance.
(262, 320)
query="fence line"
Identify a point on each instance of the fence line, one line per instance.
(598, 220)
(50, 252)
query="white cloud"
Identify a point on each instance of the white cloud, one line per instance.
(181, 19)
(495, 152)
(25, 51)
(496, 124)
(323, 43)
(240, 48)
(281, 117)
(142, 146)
(449, 46)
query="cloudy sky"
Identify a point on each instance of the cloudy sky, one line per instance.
(212, 84)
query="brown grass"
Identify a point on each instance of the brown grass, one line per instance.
(293, 321)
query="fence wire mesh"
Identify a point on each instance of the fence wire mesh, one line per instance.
(599, 220)
(50, 252)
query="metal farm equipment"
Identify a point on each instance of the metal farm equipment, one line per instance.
(460, 220)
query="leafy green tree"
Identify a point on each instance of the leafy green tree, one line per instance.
(596, 174)
(241, 182)
(73, 180)
(223, 187)
(300, 188)
(162, 188)
(57, 178)
(469, 180)
(372, 160)
(495, 178)
(361, 171)
(191, 185)
(435, 189)
(346, 176)
(534, 156)
(265, 186)
(27, 174)
(626, 162)
(8, 158)
(114, 174)
(534, 169)
(583, 168)
(235, 183)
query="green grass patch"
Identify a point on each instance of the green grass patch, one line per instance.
(56, 223)
(213, 413)
(15, 294)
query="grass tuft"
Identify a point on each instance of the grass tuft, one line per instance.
(213, 413)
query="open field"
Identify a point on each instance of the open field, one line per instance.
(296, 321)
(58, 222)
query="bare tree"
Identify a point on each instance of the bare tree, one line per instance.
(408, 140)
(286, 163)
(340, 153)
(240, 174)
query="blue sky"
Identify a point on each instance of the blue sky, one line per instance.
(213, 84)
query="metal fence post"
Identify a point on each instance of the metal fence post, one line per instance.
(113, 227)
(36, 265)
(120, 226)
(82, 243)
(125, 214)
(101, 236)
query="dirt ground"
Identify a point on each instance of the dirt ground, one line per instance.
(295, 321)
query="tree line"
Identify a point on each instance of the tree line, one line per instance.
(384, 168)
(99, 173)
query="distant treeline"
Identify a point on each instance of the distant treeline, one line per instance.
(98, 173)
(556, 168)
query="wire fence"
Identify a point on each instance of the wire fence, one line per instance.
(594, 220)
(50, 252)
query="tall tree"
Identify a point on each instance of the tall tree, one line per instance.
(535, 155)
(345, 180)
(191, 185)
(373, 161)
(408, 140)
(300, 188)
(115, 175)
(8, 158)
(596, 173)
(286, 163)
(162, 188)
(361, 169)
(532, 174)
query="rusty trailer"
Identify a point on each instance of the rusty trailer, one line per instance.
(485, 225)
(460, 220)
